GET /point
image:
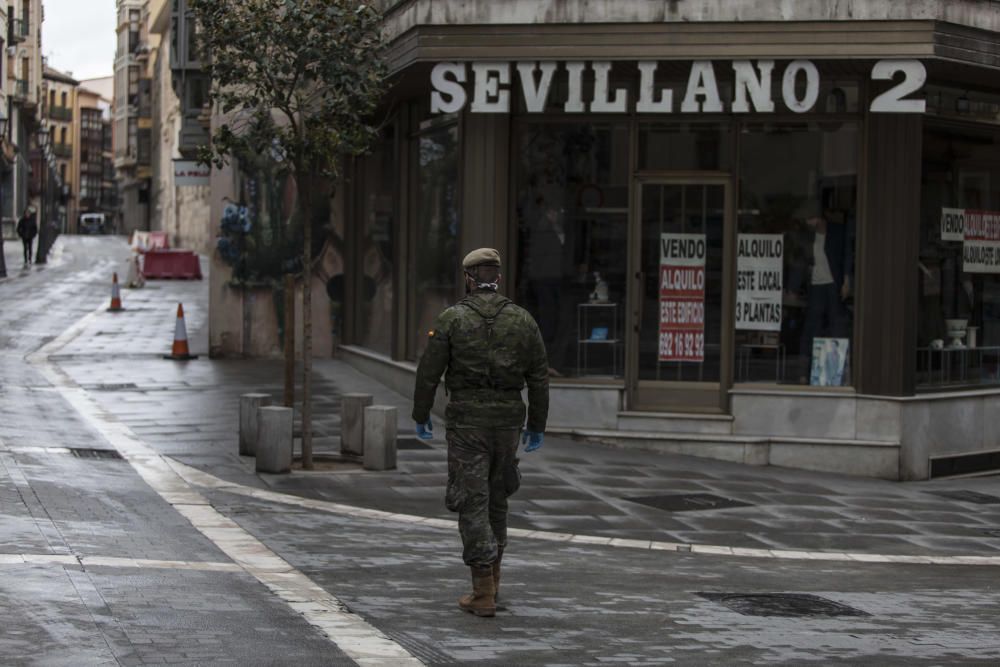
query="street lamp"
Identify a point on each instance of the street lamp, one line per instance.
(43, 144)
(3, 141)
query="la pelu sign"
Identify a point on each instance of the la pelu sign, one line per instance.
(753, 83)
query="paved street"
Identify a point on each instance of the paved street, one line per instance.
(133, 533)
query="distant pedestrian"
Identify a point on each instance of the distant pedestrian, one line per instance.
(490, 348)
(27, 229)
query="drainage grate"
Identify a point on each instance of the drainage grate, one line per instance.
(969, 497)
(86, 453)
(411, 443)
(690, 502)
(797, 605)
(116, 387)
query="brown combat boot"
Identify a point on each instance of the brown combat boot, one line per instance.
(480, 602)
(496, 574)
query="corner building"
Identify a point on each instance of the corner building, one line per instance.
(760, 232)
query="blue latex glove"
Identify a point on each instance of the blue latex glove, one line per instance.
(425, 431)
(533, 440)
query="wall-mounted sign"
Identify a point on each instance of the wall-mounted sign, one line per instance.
(953, 224)
(682, 297)
(188, 173)
(981, 250)
(759, 281)
(754, 84)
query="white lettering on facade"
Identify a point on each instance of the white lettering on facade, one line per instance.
(788, 93)
(536, 95)
(647, 101)
(702, 83)
(759, 87)
(752, 87)
(489, 96)
(448, 95)
(574, 101)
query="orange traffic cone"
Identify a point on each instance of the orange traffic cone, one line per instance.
(180, 350)
(116, 296)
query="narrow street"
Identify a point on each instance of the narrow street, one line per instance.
(133, 533)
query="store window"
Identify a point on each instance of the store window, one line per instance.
(796, 250)
(378, 243)
(685, 146)
(435, 258)
(958, 274)
(572, 222)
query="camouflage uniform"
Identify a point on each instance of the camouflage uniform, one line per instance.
(490, 349)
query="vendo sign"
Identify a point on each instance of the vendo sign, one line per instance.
(756, 85)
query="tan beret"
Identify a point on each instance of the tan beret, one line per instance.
(487, 256)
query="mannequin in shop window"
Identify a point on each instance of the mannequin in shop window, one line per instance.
(829, 248)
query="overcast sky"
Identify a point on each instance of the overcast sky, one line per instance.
(78, 36)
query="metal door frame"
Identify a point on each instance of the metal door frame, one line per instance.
(677, 396)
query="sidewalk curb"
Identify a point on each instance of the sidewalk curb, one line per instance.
(206, 480)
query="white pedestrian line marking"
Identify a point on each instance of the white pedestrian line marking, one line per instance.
(206, 480)
(114, 561)
(360, 641)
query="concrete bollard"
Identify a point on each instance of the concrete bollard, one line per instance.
(248, 421)
(380, 437)
(352, 423)
(274, 439)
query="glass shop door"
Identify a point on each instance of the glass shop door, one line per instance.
(678, 356)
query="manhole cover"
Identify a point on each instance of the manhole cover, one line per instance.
(782, 604)
(84, 453)
(116, 387)
(411, 443)
(969, 497)
(689, 502)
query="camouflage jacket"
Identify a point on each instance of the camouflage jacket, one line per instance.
(490, 349)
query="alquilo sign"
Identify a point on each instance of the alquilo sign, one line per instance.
(756, 85)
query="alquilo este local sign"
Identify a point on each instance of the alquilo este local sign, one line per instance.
(756, 85)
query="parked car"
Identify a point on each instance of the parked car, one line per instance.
(93, 223)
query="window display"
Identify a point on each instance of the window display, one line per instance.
(796, 253)
(436, 249)
(572, 222)
(378, 209)
(958, 338)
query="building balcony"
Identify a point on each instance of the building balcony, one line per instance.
(64, 114)
(18, 30)
(63, 150)
(21, 89)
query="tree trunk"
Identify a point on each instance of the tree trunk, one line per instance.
(305, 198)
(289, 397)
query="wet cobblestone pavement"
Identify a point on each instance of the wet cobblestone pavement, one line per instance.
(115, 561)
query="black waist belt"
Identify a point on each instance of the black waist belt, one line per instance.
(481, 394)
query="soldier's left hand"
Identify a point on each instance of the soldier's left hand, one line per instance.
(533, 440)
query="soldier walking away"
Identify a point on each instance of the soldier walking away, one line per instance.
(27, 229)
(490, 348)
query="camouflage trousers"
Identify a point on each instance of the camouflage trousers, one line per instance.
(479, 483)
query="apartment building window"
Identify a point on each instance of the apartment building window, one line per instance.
(133, 86)
(133, 136)
(145, 146)
(64, 102)
(62, 172)
(52, 98)
(62, 136)
(133, 30)
(26, 11)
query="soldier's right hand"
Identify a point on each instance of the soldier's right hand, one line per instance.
(425, 431)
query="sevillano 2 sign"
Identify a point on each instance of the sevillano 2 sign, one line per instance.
(753, 84)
